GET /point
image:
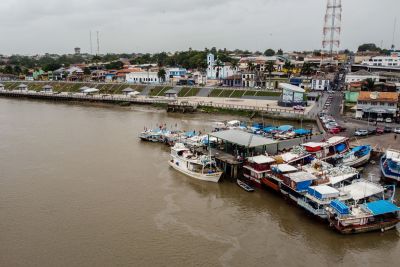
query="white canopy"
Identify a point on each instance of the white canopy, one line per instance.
(290, 87)
(261, 159)
(91, 90)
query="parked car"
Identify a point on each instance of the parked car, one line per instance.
(372, 131)
(334, 130)
(387, 129)
(379, 119)
(396, 130)
(388, 120)
(361, 132)
(298, 108)
(380, 130)
(341, 128)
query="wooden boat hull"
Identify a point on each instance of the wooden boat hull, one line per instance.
(358, 162)
(386, 177)
(213, 177)
(355, 229)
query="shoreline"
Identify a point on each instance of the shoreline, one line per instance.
(118, 101)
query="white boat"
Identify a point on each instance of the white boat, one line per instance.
(356, 157)
(199, 167)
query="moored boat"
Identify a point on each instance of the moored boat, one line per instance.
(390, 165)
(319, 197)
(255, 168)
(244, 186)
(201, 167)
(380, 215)
(332, 147)
(356, 157)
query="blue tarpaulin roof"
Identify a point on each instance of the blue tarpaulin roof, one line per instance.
(302, 131)
(190, 134)
(285, 128)
(340, 207)
(381, 207)
(269, 129)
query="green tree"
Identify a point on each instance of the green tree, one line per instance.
(161, 75)
(17, 70)
(289, 68)
(269, 52)
(8, 69)
(307, 69)
(270, 67)
(369, 85)
(280, 52)
(218, 65)
(368, 47)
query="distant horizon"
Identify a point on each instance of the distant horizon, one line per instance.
(56, 27)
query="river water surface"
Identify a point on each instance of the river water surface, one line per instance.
(77, 188)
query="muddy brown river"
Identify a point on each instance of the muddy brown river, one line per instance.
(78, 188)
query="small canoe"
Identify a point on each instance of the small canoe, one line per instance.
(244, 186)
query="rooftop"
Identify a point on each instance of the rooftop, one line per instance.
(378, 96)
(261, 159)
(290, 87)
(301, 176)
(242, 138)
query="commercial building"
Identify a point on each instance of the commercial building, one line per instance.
(373, 105)
(386, 61)
(361, 75)
(142, 77)
(291, 95)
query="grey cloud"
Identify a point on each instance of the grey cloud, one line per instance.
(155, 25)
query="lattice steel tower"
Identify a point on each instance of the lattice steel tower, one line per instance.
(332, 25)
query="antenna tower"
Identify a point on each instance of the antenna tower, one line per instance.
(90, 40)
(332, 25)
(98, 43)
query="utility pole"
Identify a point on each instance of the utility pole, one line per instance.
(90, 40)
(98, 43)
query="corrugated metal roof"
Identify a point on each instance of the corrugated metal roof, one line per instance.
(242, 138)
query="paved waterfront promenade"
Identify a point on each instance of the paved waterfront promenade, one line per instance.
(216, 102)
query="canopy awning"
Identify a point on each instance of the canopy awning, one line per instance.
(381, 207)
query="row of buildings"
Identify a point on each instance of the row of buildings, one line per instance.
(373, 86)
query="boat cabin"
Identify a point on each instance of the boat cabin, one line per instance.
(255, 168)
(324, 150)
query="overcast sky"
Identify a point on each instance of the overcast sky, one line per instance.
(57, 26)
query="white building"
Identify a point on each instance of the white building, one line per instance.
(385, 61)
(361, 75)
(215, 72)
(320, 83)
(142, 77)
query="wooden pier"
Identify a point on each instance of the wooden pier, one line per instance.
(182, 106)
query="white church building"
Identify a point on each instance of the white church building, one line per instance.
(222, 72)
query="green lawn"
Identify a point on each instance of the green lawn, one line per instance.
(216, 92)
(188, 91)
(238, 93)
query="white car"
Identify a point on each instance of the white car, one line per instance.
(396, 130)
(361, 132)
(379, 119)
(388, 120)
(298, 108)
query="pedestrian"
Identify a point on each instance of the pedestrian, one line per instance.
(395, 136)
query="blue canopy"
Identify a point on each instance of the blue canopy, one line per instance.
(285, 128)
(340, 207)
(381, 207)
(269, 129)
(361, 150)
(340, 147)
(257, 125)
(302, 131)
(190, 134)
